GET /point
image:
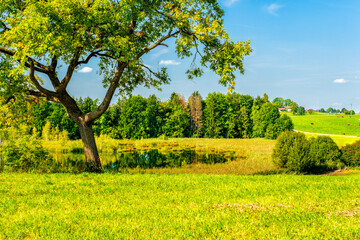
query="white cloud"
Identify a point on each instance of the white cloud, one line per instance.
(273, 8)
(85, 70)
(340, 80)
(169, 62)
(228, 3)
(160, 52)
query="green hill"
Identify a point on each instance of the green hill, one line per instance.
(337, 124)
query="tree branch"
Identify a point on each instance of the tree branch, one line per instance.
(152, 72)
(54, 63)
(73, 64)
(37, 84)
(40, 94)
(40, 67)
(158, 43)
(5, 27)
(93, 54)
(91, 116)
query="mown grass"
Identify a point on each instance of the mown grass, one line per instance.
(338, 124)
(152, 206)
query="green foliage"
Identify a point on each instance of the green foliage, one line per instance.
(25, 155)
(292, 152)
(120, 32)
(324, 152)
(278, 102)
(264, 116)
(214, 114)
(328, 124)
(351, 154)
(219, 115)
(177, 120)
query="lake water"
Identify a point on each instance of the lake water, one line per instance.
(146, 159)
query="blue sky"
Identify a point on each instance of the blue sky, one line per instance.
(308, 51)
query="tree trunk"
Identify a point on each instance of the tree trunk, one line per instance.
(90, 149)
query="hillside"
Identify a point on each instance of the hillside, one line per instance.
(328, 124)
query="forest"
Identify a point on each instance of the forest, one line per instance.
(219, 115)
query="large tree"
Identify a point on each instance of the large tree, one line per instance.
(39, 36)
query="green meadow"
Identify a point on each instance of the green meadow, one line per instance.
(338, 124)
(232, 200)
(179, 206)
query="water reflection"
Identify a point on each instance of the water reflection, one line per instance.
(144, 159)
(156, 159)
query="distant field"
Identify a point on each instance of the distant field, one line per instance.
(185, 206)
(328, 124)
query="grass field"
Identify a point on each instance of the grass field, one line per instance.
(328, 124)
(151, 206)
(216, 201)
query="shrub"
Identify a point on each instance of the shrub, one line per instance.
(351, 154)
(324, 152)
(25, 155)
(292, 152)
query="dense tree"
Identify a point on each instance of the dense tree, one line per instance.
(42, 35)
(278, 102)
(214, 114)
(331, 110)
(154, 117)
(300, 111)
(294, 107)
(245, 123)
(287, 102)
(263, 118)
(177, 122)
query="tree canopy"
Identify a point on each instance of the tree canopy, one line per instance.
(39, 36)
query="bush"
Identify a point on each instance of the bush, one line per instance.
(25, 155)
(324, 152)
(292, 152)
(351, 154)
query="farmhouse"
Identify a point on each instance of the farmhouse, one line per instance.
(285, 109)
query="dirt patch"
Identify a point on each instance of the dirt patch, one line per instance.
(253, 207)
(342, 172)
(347, 213)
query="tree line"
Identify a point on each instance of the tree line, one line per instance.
(220, 115)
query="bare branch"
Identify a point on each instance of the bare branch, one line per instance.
(152, 72)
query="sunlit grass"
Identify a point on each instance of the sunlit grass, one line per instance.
(338, 124)
(152, 206)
